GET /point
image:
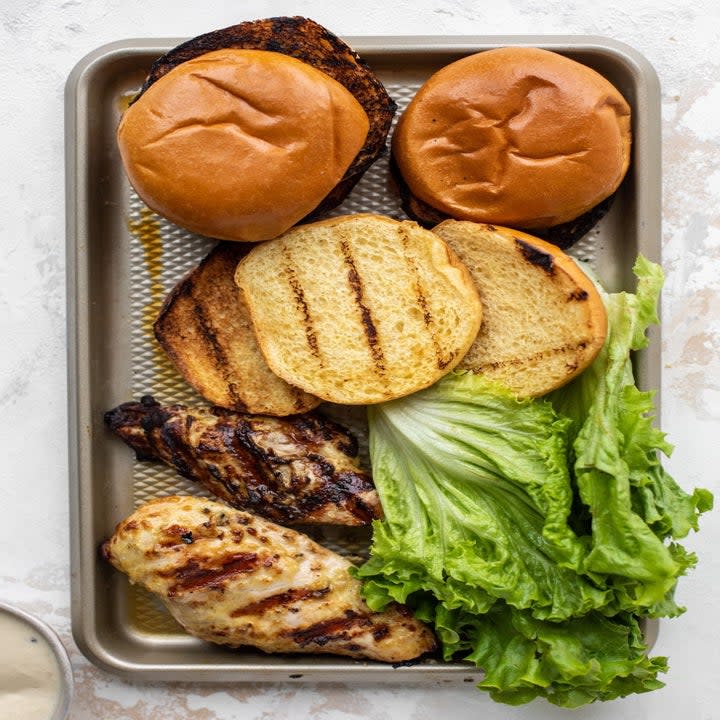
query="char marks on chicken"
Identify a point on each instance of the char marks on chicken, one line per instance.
(233, 578)
(301, 469)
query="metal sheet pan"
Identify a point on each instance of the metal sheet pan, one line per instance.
(121, 260)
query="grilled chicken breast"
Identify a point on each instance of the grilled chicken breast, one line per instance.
(232, 578)
(297, 470)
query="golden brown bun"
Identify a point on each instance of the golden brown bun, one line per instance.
(563, 236)
(515, 136)
(361, 308)
(240, 144)
(543, 318)
(310, 42)
(205, 329)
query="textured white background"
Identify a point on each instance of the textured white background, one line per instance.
(40, 42)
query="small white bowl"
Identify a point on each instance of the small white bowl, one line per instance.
(62, 708)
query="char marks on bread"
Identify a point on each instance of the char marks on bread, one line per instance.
(544, 320)
(360, 309)
(205, 329)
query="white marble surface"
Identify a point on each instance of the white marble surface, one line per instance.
(40, 41)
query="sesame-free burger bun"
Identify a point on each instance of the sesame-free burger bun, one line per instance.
(240, 144)
(521, 137)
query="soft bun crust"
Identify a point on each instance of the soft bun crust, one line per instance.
(306, 40)
(240, 144)
(515, 136)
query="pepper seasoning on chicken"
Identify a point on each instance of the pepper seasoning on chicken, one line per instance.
(235, 579)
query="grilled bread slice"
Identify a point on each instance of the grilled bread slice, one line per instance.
(543, 321)
(205, 330)
(360, 309)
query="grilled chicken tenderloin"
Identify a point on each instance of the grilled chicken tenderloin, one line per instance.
(300, 469)
(235, 579)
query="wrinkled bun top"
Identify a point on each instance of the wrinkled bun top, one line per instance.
(515, 136)
(240, 144)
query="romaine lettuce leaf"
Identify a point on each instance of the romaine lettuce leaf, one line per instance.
(476, 492)
(572, 663)
(533, 534)
(634, 503)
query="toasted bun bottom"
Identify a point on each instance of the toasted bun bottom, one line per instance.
(515, 136)
(360, 309)
(543, 318)
(306, 40)
(240, 144)
(205, 329)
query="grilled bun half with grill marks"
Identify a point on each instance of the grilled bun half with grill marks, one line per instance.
(543, 318)
(515, 136)
(240, 133)
(360, 309)
(205, 329)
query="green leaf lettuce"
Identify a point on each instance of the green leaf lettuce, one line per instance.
(534, 533)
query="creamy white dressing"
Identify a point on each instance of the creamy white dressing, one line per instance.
(30, 687)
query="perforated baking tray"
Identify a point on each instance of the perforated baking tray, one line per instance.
(121, 262)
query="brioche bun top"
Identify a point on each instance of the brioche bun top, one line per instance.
(240, 144)
(515, 136)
